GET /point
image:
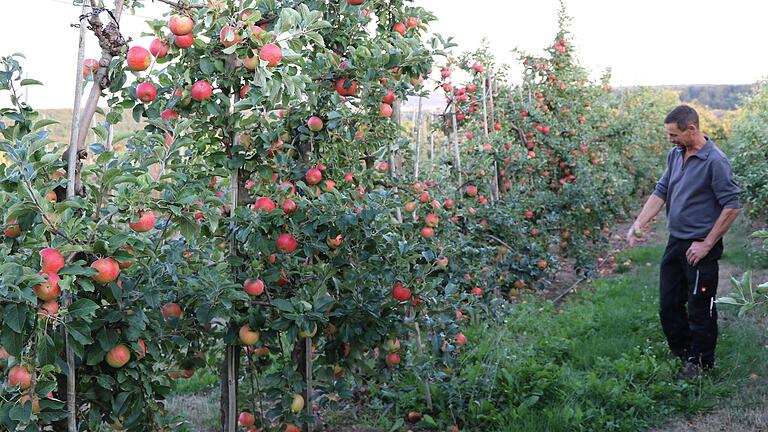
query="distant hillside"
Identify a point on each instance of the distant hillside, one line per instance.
(719, 97)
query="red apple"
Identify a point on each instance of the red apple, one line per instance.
(431, 220)
(264, 204)
(346, 87)
(253, 287)
(471, 191)
(315, 124)
(313, 176)
(385, 110)
(146, 92)
(412, 22)
(90, 67)
(229, 36)
(272, 54)
(145, 223)
(171, 310)
(13, 230)
(289, 206)
(389, 98)
(393, 359)
(184, 41)
(180, 25)
(158, 48)
(246, 419)
(51, 260)
(49, 289)
(49, 308)
(355, 2)
(460, 339)
(118, 356)
(108, 270)
(427, 232)
(19, 376)
(400, 28)
(247, 336)
(399, 292)
(286, 243)
(201, 90)
(138, 58)
(333, 243)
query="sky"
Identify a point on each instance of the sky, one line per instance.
(648, 42)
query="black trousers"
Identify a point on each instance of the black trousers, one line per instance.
(687, 302)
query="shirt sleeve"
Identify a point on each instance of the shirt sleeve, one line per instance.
(725, 189)
(663, 183)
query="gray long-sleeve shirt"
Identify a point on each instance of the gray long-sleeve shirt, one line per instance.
(697, 191)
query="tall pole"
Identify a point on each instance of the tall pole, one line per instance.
(418, 141)
(73, 179)
(456, 150)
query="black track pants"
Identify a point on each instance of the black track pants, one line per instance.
(691, 333)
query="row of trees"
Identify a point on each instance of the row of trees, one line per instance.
(270, 221)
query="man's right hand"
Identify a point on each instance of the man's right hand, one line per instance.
(634, 233)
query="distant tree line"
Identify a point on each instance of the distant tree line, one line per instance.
(719, 97)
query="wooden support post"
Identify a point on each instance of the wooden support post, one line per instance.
(418, 141)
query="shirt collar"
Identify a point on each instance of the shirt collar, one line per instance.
(702, 154)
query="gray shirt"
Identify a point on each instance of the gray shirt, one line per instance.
(697, 191)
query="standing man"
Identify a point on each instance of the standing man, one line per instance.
(702, 202)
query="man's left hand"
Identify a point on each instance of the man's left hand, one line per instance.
(697, 252)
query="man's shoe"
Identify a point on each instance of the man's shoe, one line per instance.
(690, 371)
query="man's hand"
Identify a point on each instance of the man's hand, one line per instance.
(697, 252)
(633, 234)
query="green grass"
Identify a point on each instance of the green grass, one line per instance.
(599, 363)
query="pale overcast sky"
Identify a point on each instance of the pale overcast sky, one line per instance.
(645, 42)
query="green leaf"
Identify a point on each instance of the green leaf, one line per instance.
(83, 308)
(30, 81)
(43, 123)
(15, 317)
(46, 350)
(283, 305)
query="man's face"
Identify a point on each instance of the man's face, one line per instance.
(680, 138)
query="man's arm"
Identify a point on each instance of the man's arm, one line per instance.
(699, 250)
(652, 206)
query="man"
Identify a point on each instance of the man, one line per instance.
(702, 201)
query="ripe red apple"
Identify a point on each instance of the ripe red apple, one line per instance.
(355, 2)
(335, 242)
(146, 92)
(272, 54)
(158, 48)
(19, 376)
(184, 41)
(431, 220)
(138, 58)
(413, 417)
(292, 428)
(385, 110)
(346, 87)
(229, 36)
(90, 66)
(171, 310)
(412, 22)
(399, 292)
(264, 204)
(244, 91)
(286, 243)
(246, 419)
(427, 232)
(118, 356)
(108, 270)
(477, 291)
(49, 308)
(51, 260)
(460, 339)
(141, 354)
(13, 230)
(448, 204)
(289, 206)
(169, 114)
(313, 176)
(315, 124)
(201, 90)
(180, 25)
(471, 191)
(389, 98)
(247, 336)
(49, 289)
(254, 287)
(400, 28)
(393, 359)
(528, 214)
